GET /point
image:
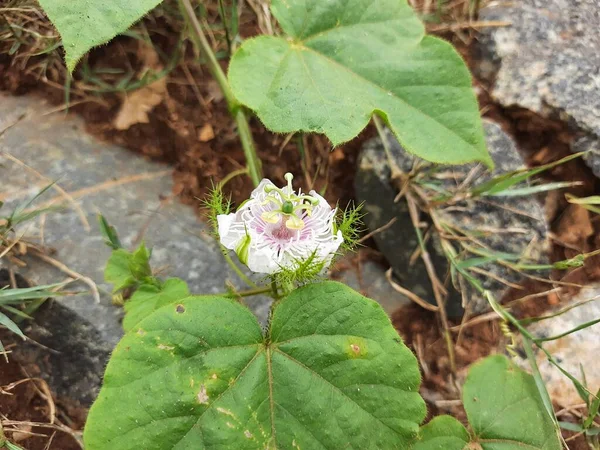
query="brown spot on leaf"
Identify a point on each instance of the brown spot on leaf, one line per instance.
(355, 348)
(180, 309)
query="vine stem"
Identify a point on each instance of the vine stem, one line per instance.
(236, 110)
(236, 269)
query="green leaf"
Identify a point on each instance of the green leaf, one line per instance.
(199, 374)
(111, 237)
(505, 409)
(85, 24)
(443, 433)
(126, 269)
(139, 263)
(149, 298)
(343, 61)
(117, 270)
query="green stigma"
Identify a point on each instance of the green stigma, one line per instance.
(288, 204)
(287, 207)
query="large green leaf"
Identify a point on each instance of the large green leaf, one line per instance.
(84, 24)
(505, 412)
(331, 373)
(505, 409)
(343, 60)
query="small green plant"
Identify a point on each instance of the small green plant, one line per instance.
(329, 370)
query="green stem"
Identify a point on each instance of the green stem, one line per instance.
(230, 176)
(236, 269)
(254, 165)
(234, 106)
(251, 292)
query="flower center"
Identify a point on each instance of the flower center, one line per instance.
(282, 233)
(287, 204)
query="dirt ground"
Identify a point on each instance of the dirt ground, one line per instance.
(190, 129)
(26, 403)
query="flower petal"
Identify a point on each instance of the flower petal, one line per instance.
(229, 234)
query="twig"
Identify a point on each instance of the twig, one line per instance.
(63, 268)
(382, 228)
(411, 295)
(469, 25)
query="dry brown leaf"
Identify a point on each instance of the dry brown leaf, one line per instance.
(18, 436)
(206, 133)
(575, 226)
(137, 105)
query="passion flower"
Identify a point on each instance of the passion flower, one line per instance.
(276, 228)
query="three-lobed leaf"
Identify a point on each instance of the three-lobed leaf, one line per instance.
(85, 24)
(343, 61)
(331, 372)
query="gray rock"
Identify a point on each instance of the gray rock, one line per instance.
(547, 61)
(513, 225)
(574, 351)
(134, 195)
(370, 280)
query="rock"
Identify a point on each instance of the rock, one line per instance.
(368, 278)
(573, 352)
(512, 225)
(135, 196)
(547, 61)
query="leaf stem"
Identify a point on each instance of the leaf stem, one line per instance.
(236, 269)
(251, 292)
(236, 110)
(252, 160)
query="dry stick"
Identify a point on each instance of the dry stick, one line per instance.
(63, 193)
(63, 428)
(411, 295)
(469, 25)
(488, 317)
(435, 283)
(60, 266)
(382, 228)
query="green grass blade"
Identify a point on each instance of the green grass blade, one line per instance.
(8, 323)
(530, 190)
(566, 333)
(507, 180)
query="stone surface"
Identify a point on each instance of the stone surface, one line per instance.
(368, 278)
(572, 352)
(133, 194)
(547, 61)
(513, 225)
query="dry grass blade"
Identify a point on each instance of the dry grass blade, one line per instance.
(411, 295)
(63, 268)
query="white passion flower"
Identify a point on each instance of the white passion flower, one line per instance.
(276, 228)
